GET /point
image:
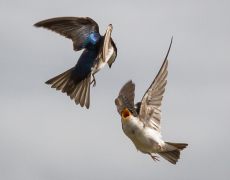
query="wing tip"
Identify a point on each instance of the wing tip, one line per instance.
(130, 82)
(39, 23)
(36, 24)
(170, 45)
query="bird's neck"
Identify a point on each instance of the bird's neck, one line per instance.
(92, 41)
(132, 121)
(131, 126)
(94, 38)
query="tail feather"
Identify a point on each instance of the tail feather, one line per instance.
(69, 87)
(83, 95)
(179, 146)
(87, 94)
(59, 84)
(172, 151)
(60, 80)
(171, 156)
(73, 94)
(60, 76)
(78, 91)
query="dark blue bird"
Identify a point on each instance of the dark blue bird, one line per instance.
(98, 51)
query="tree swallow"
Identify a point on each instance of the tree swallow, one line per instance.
(141, 122)
(98, 50)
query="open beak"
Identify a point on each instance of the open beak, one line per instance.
(125, 113)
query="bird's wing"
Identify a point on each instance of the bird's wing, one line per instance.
(107, 51)
(114, 53)
(150, 109)
(75, 28)
(125, 98)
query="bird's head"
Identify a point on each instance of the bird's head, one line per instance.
(125, 114)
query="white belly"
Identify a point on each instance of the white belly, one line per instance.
(146, 140)
(101, 63)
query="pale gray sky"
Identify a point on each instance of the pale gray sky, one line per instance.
(45, 136)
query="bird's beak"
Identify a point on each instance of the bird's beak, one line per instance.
(125, 113)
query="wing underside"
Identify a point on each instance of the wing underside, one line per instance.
(76, 28)
(150, 108)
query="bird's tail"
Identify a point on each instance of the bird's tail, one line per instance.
(79, 91)
(172, 152)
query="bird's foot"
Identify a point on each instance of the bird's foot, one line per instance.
(93, 81)
(155, 158)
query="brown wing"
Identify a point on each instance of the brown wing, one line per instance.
(126, 96)
(114, 54)
(75, 28)
(150, 109)
(107, 50)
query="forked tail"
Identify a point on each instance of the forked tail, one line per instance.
(172, 153)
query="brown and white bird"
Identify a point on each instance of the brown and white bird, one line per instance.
(141, 122)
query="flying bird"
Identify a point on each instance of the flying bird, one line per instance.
(141, 121)
(98, 51)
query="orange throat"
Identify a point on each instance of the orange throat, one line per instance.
(125, 113)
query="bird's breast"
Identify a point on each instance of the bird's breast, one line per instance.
(145, 139)
(98, 64)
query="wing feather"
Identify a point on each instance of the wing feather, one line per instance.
(150, 109)
(75, 28)
(126, 96)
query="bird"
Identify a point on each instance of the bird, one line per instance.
(98, 51)
(141, 121)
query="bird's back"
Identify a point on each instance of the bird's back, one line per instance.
(84, 65)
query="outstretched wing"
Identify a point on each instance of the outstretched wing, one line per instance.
(108, 51)
(125, 98)
(150, 109)
(76, 28)
(114, 53)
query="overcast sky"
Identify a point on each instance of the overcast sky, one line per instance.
(45, 136)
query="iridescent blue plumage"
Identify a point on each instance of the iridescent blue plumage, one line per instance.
(85, 63)
(98, 51)
(92, 40)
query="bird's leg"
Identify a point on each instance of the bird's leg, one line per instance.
(93, 81)
(155, 158)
